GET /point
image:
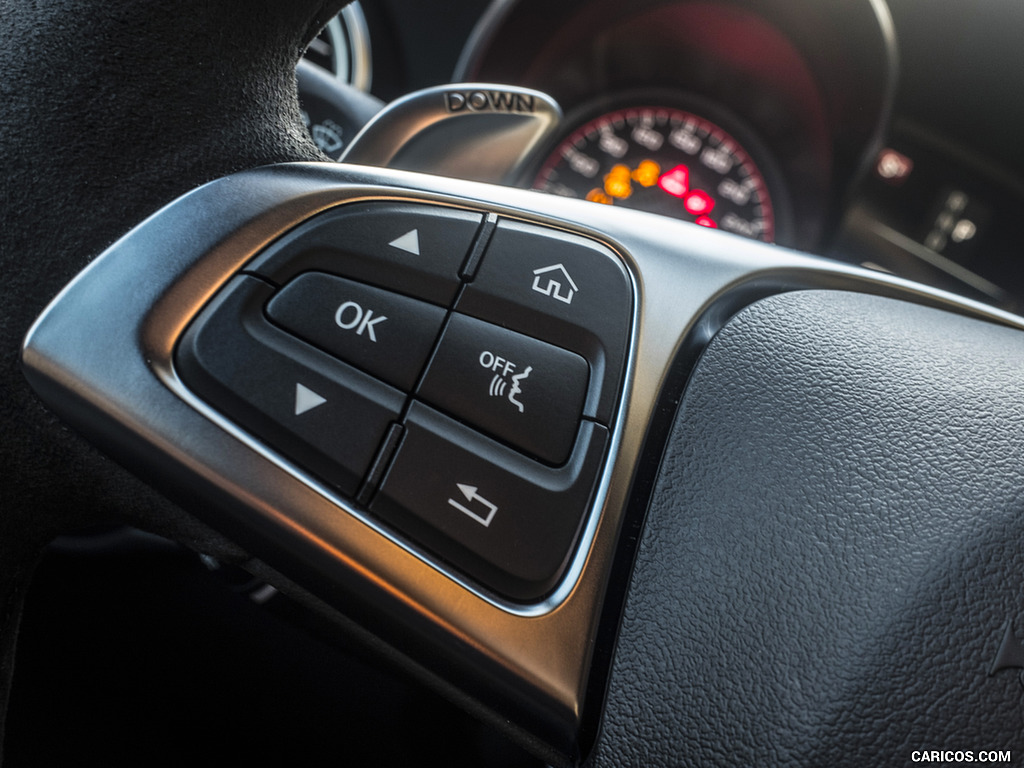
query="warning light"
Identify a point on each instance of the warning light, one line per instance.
(705, 221)
(893, 167)
(646, 174)
(616, 182)
(598, 196)
(676, 182)
(698, 203)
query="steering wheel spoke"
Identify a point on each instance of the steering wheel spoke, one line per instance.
(248, 287)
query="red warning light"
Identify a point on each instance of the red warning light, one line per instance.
(705, 221)
(698, 203)
(676, 182)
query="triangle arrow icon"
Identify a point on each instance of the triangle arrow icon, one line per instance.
(306, 399)
(409, 242)
(469, 491)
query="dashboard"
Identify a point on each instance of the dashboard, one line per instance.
(873, 134)
(865, 132)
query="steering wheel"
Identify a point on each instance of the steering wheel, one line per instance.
(794, 488)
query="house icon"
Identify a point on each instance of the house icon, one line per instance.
(555, 281)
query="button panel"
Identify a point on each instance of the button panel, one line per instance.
(502, 383)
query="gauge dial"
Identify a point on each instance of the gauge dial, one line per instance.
(666, 161)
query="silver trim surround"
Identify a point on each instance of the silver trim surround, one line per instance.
(359, 51)
(102, 356)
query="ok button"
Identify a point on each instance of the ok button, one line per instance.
(384, 333)
(351, 316)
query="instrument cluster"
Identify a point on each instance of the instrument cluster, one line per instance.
(751, 117)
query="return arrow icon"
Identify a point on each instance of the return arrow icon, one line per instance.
(470, 492)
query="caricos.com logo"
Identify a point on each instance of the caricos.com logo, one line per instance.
(959, 756)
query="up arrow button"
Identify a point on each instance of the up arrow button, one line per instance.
(415, 249)
(409, 242)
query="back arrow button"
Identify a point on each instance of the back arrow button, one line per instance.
(470, 492)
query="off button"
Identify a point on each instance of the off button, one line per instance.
(568, 290)
(521, 390)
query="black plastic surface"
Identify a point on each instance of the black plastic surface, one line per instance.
(503, 519)
(564, 289)
(521, 390)
(832, 554)
(326, 416)
(417, 250)
(379, 331)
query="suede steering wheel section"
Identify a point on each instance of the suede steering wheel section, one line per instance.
(820, 556)
(110, 112)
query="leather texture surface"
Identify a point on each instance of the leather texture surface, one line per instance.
(833, 546)
(110, 111)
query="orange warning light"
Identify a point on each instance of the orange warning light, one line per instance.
(617, 184)
(646, 174)
(598, 196)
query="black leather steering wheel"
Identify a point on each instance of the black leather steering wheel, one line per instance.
(825, 506)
